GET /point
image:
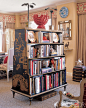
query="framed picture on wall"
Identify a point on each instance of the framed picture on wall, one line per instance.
(65, 26)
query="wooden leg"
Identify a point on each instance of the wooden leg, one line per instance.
(30, 100)
(64, 88)
(13, 94)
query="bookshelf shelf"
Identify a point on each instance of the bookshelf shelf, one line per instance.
(47, 73)
(46, 57)
(34, 71)
(33, 44)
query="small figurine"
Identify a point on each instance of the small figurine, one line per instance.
(66, 45)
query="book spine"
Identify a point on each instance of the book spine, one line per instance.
(30, 86)
(46, 81)
(42, 84)
(37, 84)
(60, 77)
(57, 79)
(54, 80)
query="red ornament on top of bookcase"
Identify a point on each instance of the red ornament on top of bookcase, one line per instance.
(40, 20)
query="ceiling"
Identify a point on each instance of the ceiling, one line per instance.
(7, 6)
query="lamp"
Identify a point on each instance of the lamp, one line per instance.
(29, 5)
(51, 11)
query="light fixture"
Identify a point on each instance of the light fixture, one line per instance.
(29, 5)
(51, 11)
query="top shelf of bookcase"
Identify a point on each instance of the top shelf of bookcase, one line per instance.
(43, 30)
(45, 43)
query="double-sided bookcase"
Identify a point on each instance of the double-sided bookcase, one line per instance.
(38, 62)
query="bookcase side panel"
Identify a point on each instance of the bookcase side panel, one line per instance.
(20, 77)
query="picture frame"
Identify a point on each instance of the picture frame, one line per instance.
(66, 27)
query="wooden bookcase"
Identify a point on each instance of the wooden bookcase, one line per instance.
(21, 65)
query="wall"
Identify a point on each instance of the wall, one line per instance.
(70, 55)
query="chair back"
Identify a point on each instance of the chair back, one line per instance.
(83, 92)
(10, 58)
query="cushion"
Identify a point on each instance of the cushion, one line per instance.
(3, 66)
(5, 60)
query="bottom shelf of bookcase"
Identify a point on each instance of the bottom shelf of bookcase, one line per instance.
(32, 96)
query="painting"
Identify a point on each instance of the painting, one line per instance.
(65, 26)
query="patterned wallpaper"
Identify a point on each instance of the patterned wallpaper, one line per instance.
(81, 8)
(24, 18)
(7, 18)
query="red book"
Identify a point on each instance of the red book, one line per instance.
(32, 67)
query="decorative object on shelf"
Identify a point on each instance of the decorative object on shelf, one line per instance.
(66, 45)
(29, 5)
(31, 37)
(55, 38)
(40, 20)
(79, 62)
(51, 11)
(63, 12)
(66, 27)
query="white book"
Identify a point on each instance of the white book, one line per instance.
(37, 87)
(63, 62)
(42, 50)
(60, 49)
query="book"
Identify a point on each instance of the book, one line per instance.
(38, 39)
(37, 84)
(60, 78)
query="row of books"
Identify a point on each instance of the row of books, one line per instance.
(43, 83)
(43, 37)
(59, 63)
(44, 66)
(44, 51)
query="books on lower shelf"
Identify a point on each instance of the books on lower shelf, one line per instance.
(37, 67)
(46, 82)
